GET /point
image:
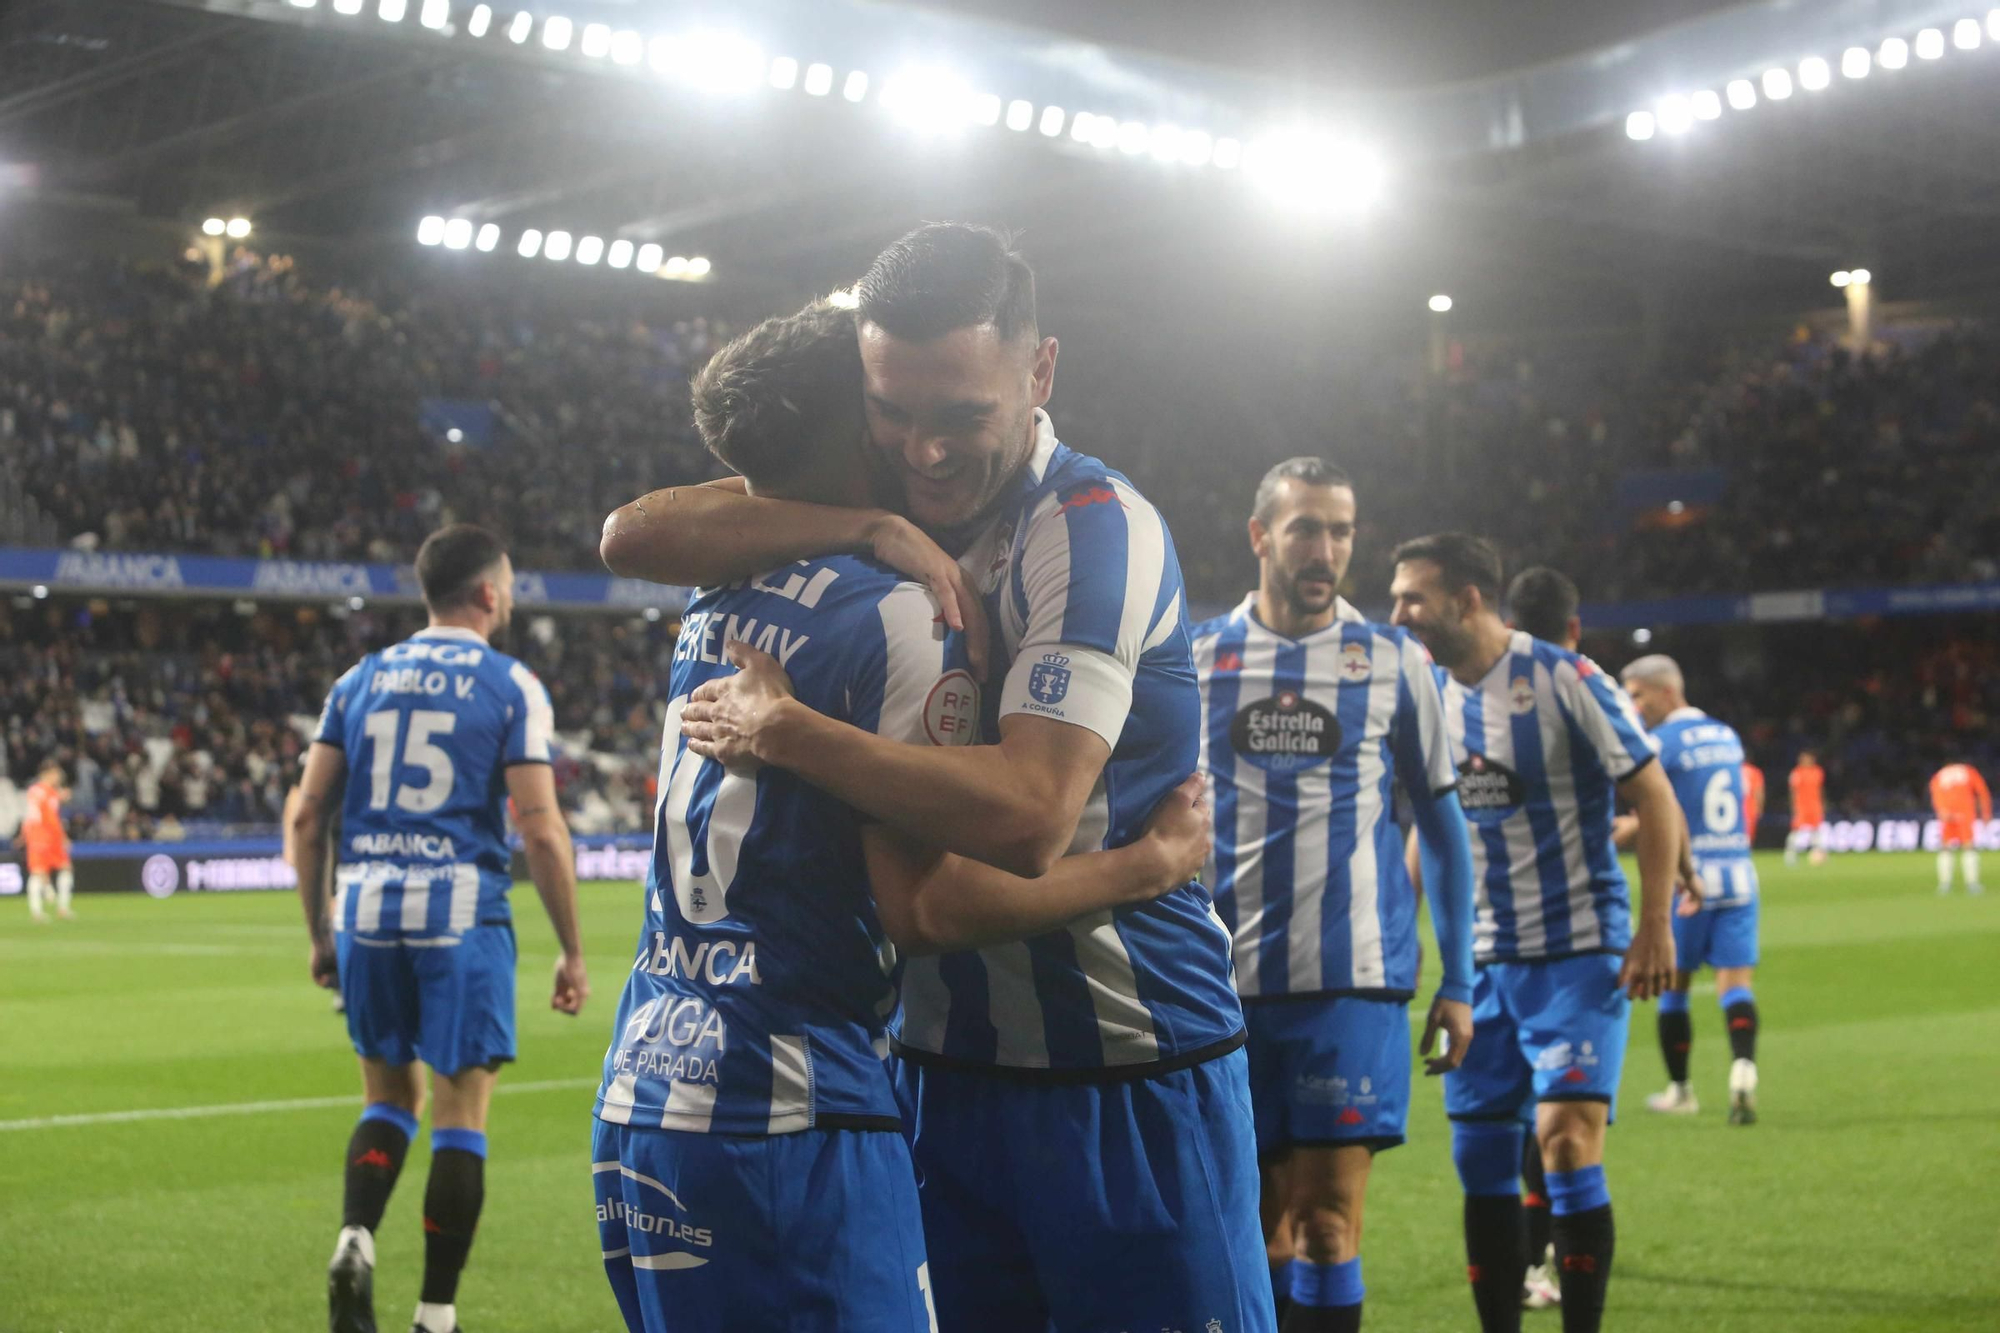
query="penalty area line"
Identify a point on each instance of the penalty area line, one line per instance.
(254, 1108)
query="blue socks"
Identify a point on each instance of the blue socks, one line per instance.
(1322, 1285)
(1736, 995)
(464, 1140)
(1674, 1002)
(1577, 1191)
(1487, 1154)
(391, 1114)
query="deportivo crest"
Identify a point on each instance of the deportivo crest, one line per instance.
(1048, 681)
(1521, 695)
(1355, 663)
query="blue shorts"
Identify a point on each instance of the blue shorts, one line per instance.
(1541, 1032)
(810, 1232)
(1329, 1070)
(1090, 1207)
(449, 1005)
(1717, 937)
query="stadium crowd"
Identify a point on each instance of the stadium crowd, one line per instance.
(146, 409)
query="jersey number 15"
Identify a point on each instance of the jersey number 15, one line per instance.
(418, 752)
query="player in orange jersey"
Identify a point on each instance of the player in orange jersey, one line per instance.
(1808, 783)
(1753, 799)
(1961, 799)
(48, 846)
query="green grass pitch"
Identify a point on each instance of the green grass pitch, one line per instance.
(1865, 1200)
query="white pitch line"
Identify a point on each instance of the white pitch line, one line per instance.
(252, 1108)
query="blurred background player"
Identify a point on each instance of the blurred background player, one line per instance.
(1962, 802)
(1310, 718)
(1753, 800)
(1549, 743)
(1703, 758)
(47, 844)
(1808, 784)
(1543, 604)
(428, 739)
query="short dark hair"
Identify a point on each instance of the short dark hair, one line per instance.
(945, 276)
(451, 562)
(1464, 560)
(1306, 470)
(1541, 601)
(769, 402)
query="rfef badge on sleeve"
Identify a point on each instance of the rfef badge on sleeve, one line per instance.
(1049, 681)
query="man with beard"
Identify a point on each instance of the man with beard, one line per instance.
(1311, 715)
(437, 734)
(1077, 1101)
(1549, 742)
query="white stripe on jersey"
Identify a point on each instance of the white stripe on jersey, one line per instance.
(1145, 567)
(926, 1004)
(1253, 824)
(1585, 932)
(690, 1106)
(1124, 1024)
(791, 1084)
(617, 1101)
(1364, 914)
(916, 661)
(416, 911)
(464, 897)
(541, 722)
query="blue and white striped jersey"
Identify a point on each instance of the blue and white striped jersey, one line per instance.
(1704, 761)
(430, 727)
(1542, 740)
(759, 1000)
(1303, 741)
(1083, 585)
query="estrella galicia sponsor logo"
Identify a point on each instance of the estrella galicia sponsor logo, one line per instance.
(1048, 680)
(1488, 790)
(116, 569)
(1285, 733)
(160, 875)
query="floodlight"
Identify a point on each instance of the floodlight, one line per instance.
(1707, 106)
(590, 249)
(1081, 125)
(1814, 75)
(1965, 34)
(1993, 24)
(1639, 125)
(1930, 44)
(1051, 122)
(1165, 143)
(489, 236)
(238, 228)
(1020, 115)
(458, 233)
(1132, 138)
(676, 267)
(518, 30)
(784, 72)
(302, 4)
(431, 230)
(1197, 147)
(1893, 53)
(481, 20)
(819, 80)
(928, 99)
(213, 227)
(1103, 132)
(435, 14)
(557, 32)
(1854, 62)
(1439, 304)
(557, 246)
(856, 86)
(1316, 172)
(698, 267)
(649, 257)
(620, 254)
(1642, 636)
(349, 7)
(722, 62)
(1674, 114)
(1742, 94)
(1861, 277)
(1228, 153)
(986, 109)
(531, 244)
(1777, 84)
(392, 11)
(596, 41)
(627, 47)
(1842, 278)
(454, 436)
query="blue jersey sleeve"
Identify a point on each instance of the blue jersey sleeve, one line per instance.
(531, 719)
(332, 729)
(1604, 713)
(910, 682)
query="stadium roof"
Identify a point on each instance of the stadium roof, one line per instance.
(1508, 177)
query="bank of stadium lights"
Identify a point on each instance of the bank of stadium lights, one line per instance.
(1856, 277)
(518, 30)
(481, 20)
(560, 246)
(1315, 172)
(1676, 113)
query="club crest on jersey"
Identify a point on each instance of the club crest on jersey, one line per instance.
(1048, 680)
(1488, 790)
(1356, 664)
(1285, 733)
(1521, 695)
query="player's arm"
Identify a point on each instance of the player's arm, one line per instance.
(551, 857)
(308, 821)
(933, 901)
(705, 536)
(1650, 963)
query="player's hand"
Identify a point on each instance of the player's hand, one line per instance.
(324, 963)
(1688, 903)
(903, 546)
(572, 985)
(723, 718)
(1181, 829)
(1454, 1019)
(1649, 964)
